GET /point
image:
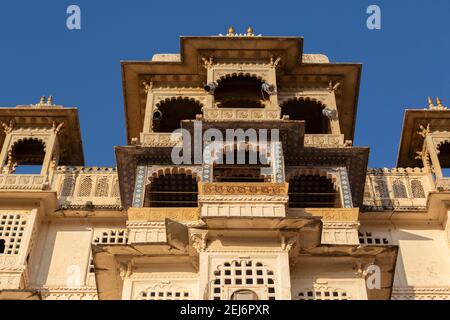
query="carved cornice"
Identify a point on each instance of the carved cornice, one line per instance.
(243, 199)
(254, 189)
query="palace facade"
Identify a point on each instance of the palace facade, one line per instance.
(306, 221)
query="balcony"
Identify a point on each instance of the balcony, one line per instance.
(398, 189)
(28, 182)
(243, 199)
(87, 187)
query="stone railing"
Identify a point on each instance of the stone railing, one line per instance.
(86, 187)
(160, 139)
(397, 189)
(243, 199)
(324, 141)
(240, 114)
(23, 182)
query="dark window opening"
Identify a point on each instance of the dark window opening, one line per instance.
(312, 191)
(240, 92)
(242, 166)
(2, 246)
(310, 112)
(172, 190)
(444, 159)
(170, 114)
(27, 157)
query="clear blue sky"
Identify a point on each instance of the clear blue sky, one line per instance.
(403, 63)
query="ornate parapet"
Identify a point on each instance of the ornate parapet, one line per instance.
(87, 187)
(403, 189)
(239, 114)
(23, 182)
(160, 214)
(325, 141)
(243, 199)
(155, 139)
(243, 189)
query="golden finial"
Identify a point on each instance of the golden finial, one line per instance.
(42, 100)
(230, 31)
(250, 31)
(430, 103)
(439, 102)
(50, 100)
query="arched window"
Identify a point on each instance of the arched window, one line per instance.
(27, 156)
(444, 157)
(399, 189)
(308, 111)
(68, 186)
(102, 187)
(85, 187)
(244, 295)
(245, 165)
(417, 189)
(170, 114)
(381, 190)
(312, 191)
(172, 190)
(239, 91)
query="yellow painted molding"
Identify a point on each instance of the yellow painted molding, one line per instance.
(160, 214)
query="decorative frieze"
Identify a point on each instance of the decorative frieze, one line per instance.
(160, 214)
(23, 182)
(254, 189)
(325, 141)
(161, 139)
(239, 114)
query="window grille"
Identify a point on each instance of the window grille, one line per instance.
(242, 274)
(12, 229)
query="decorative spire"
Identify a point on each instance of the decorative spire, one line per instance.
(430, 103)
(43, 102)
(438, 106)
(231, 32)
